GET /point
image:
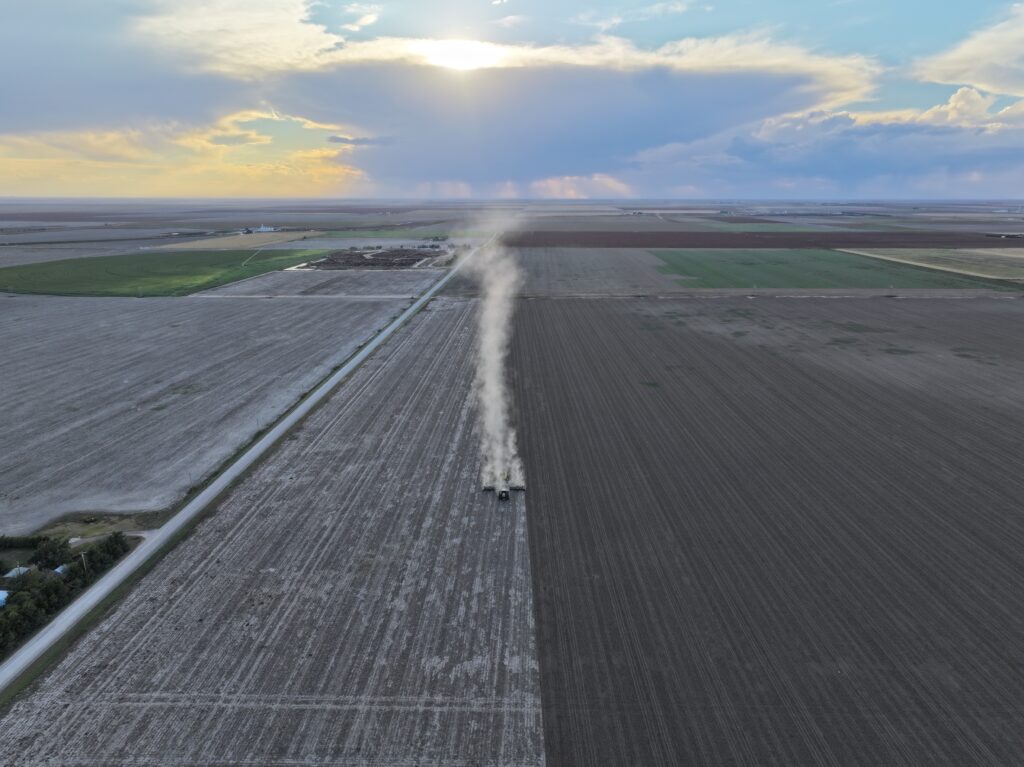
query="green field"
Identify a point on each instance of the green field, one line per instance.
(717, 225)
(149, 273)
(714, 268)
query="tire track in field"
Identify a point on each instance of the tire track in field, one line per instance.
(355, 601)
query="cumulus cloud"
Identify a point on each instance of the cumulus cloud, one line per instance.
(838, 154)
(728, 115)
(967, 107)
(242, 38)
(990, 59)
(253, 38)
(837, 79)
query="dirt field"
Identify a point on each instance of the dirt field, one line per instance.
(776, 531)
(356, 601)
(387, 258)
(659, 221)
(766, 526)
(772, 239)
(333, 243)
(122, 404)
(213, 216)
(578, 271)
(593, 272)
(346, 284)
(94, 234)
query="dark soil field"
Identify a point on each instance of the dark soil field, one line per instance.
(657, 221)
(776, 531)
(581, 271)
(756, 239)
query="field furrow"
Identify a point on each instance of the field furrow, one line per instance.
(752, 547)
(356, 601)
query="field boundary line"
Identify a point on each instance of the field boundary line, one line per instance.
(26, 656)
(950, 270)
(200, 293)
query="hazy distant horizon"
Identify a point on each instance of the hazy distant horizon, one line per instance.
(441, 201)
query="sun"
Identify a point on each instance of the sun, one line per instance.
(461, 54)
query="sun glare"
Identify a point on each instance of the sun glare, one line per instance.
(461, 54)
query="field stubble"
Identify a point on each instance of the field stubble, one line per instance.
(121, 405)
(355, 601)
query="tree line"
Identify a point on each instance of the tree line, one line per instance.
(34, 597)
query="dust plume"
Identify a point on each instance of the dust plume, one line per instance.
(498, 276)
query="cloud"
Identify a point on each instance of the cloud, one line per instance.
(645, 13)
(599, 185)
(524, 124)
(231, 158)
(366, 16)
(251, 39)
(840, 155)
(532, 112)
(241, 38)
(967, 107)
(205, 98)
(109, 146)
(990, 59)
(86, 73)
(359, 140)
(507, 22)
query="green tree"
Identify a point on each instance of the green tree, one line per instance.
(51, 553)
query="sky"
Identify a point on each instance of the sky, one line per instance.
(489, 99)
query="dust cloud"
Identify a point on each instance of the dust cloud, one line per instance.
(499, 279)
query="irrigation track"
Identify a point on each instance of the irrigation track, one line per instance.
(22, 660)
